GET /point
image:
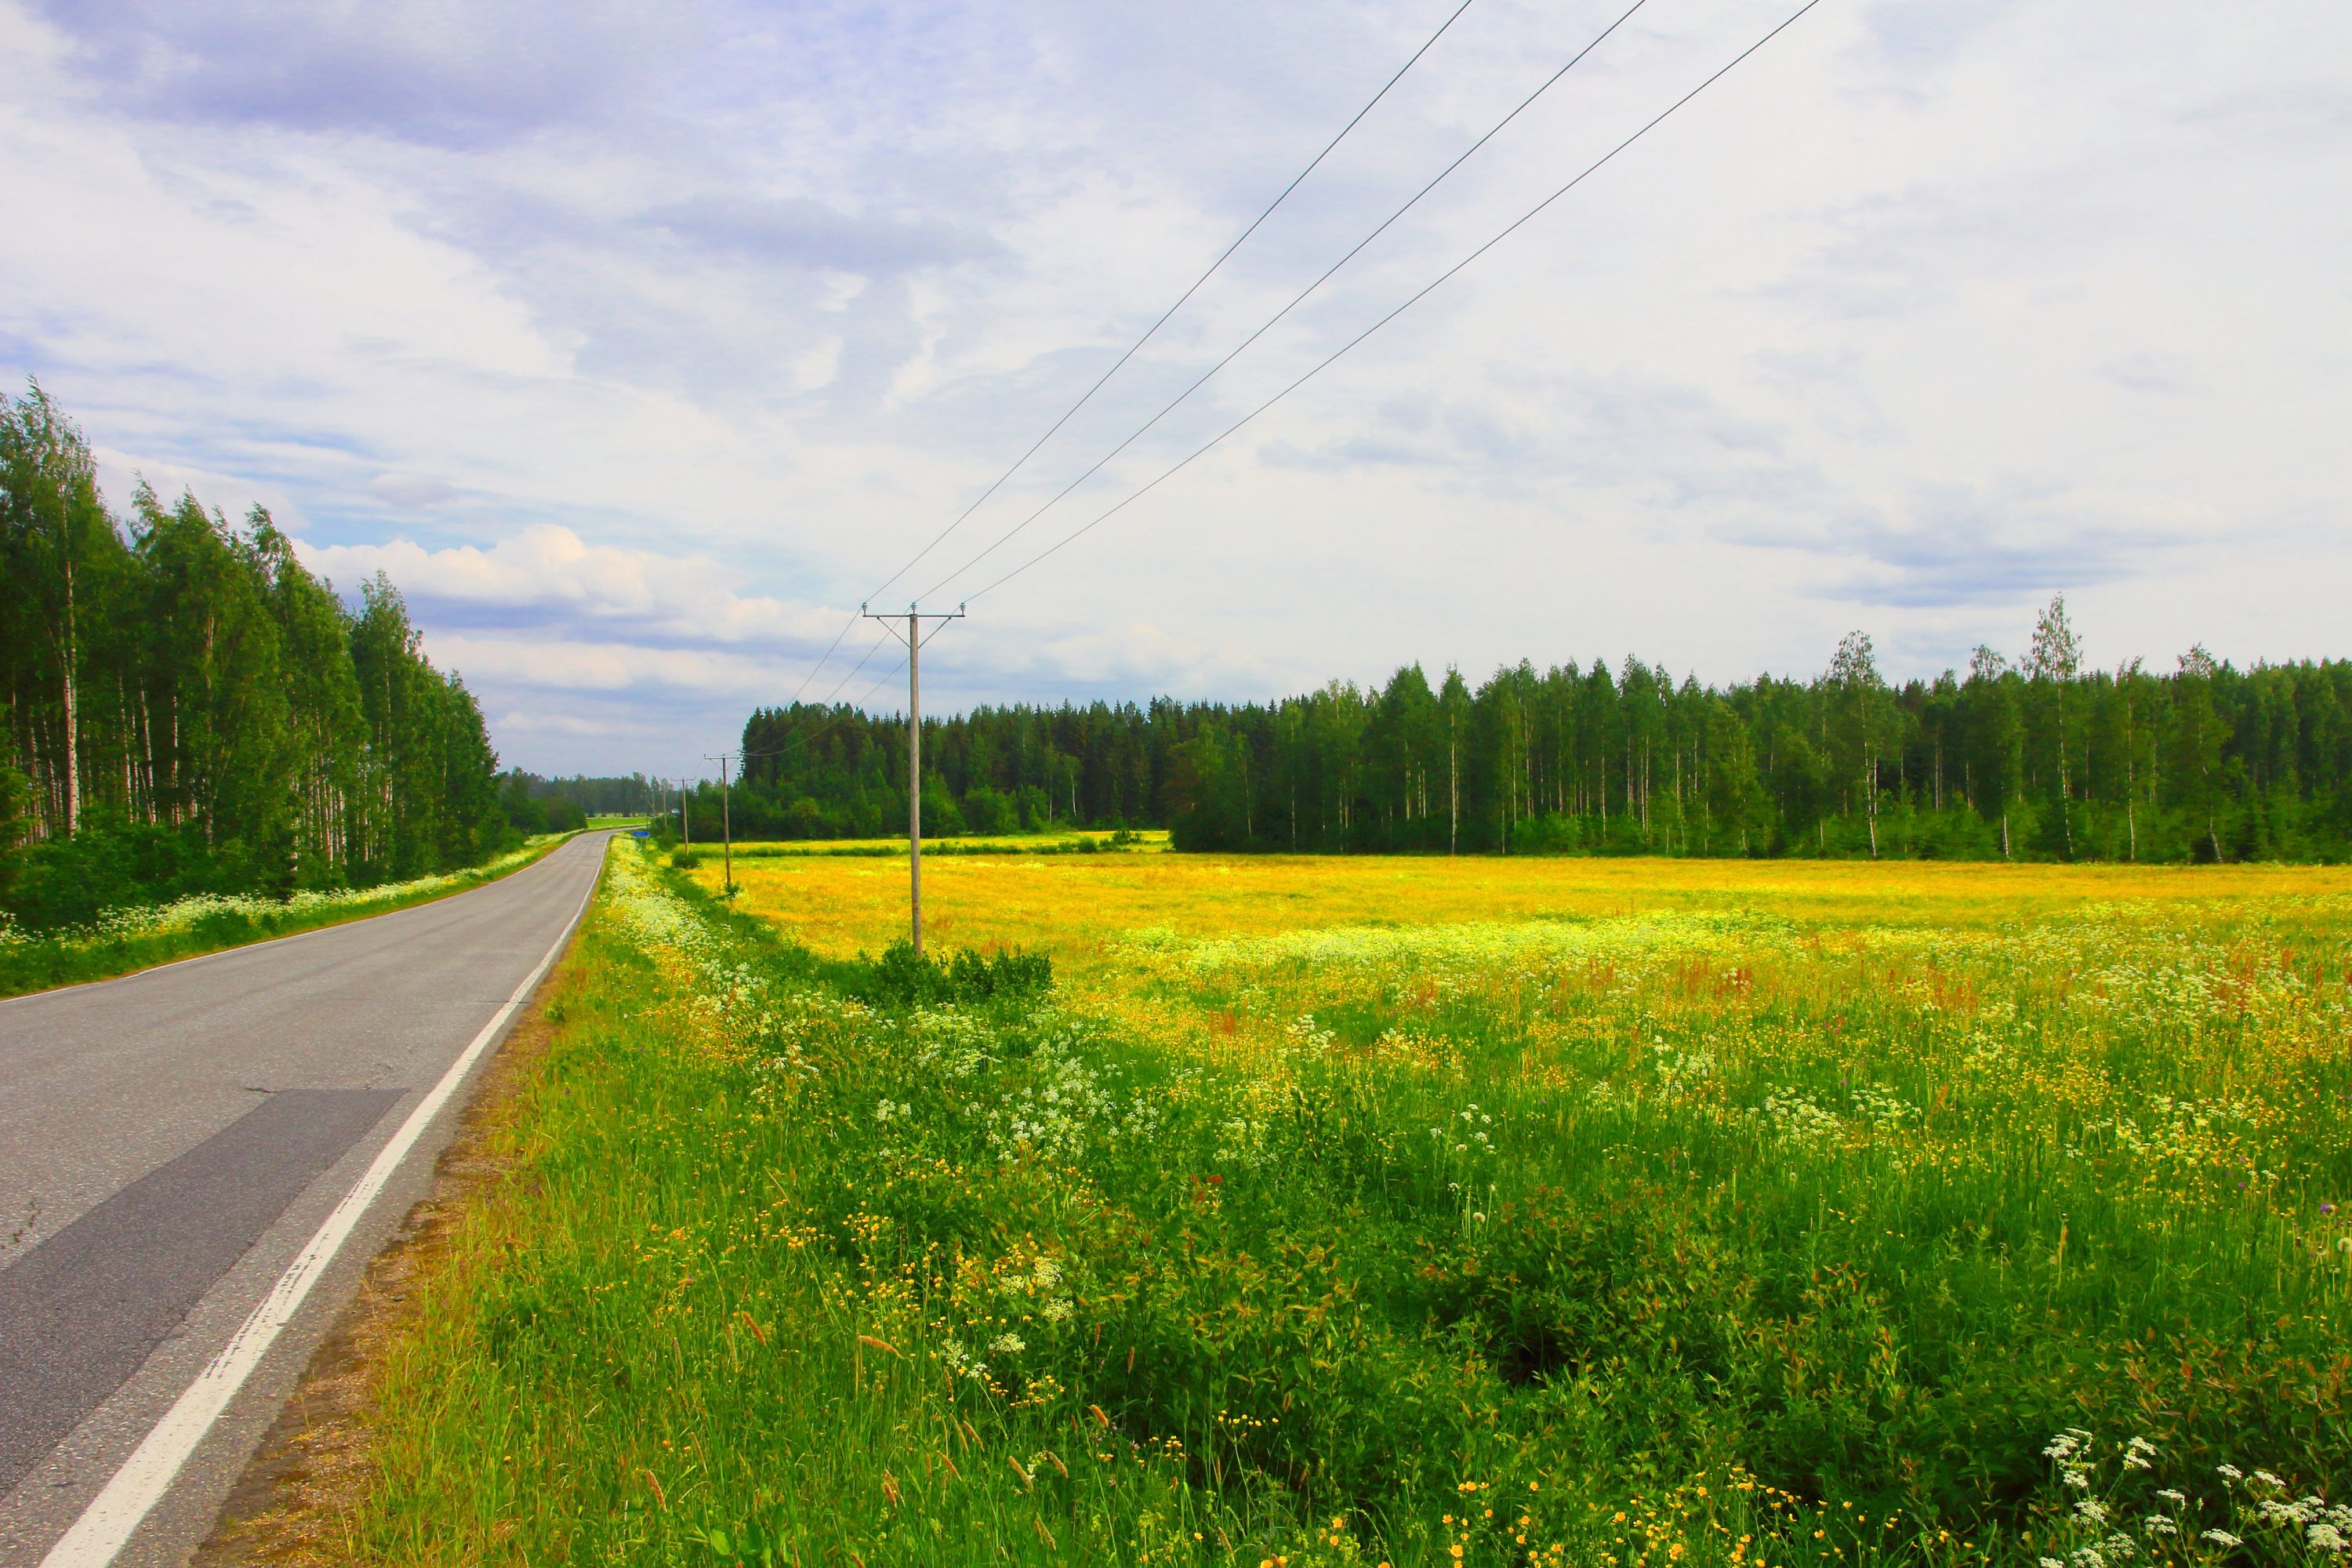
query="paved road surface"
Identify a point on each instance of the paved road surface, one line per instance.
(169, 1141)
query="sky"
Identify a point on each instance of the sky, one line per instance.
(641, 344)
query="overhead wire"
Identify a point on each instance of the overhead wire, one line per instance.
(822, 658)
(1149, 333)
(1152, 331)
(875, 684)
(872, 649)
(1296, 300)
(1430, 288)
(802, 737)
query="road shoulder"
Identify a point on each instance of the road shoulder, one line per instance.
(289, 1504)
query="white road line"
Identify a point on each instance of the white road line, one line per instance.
(112, 1516)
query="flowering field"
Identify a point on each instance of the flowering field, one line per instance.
(1343, 1212)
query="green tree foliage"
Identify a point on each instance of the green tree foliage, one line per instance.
(1735, 801)
(561, 805)
(1857, 704)
(189, 710)
(2048, 760)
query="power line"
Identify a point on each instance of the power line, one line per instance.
(1297, 301)
(1153, 330)
(873, 648)
(803, 738)
(1149, 333)
(1324, 364)
(877, 684)
(829, 696)
(819, 664)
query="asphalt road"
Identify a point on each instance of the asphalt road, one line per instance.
(171, 1140)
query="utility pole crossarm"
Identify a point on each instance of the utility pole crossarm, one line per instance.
(914, 637)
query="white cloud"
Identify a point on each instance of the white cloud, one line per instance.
(570, 665)
(546, 567)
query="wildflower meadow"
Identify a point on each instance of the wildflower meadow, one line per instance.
(1406, 1210)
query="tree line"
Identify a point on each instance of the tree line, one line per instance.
(189, 710)
(537, 805)
(2040, 757)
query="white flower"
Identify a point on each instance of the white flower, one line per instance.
(1007, 1344)
(2171, 1495)
(2134, 1462)
(2052, 1563)
(2079, 1479)
(2269, 1480)
(2327, 1537)
(2228, 1473)
(2223, 1538)
(2092, 1509)
(2159, 1525)
(1058, 1309)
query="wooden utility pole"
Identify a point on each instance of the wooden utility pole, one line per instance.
(726, 819)
(914, 637)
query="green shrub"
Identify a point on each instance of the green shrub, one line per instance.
(902, 978)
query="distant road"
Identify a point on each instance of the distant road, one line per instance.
(172, 1140)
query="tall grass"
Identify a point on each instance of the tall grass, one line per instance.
(1722, 1235)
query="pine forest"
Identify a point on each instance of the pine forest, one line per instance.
(2035, 757)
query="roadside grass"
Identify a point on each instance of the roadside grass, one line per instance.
(622, 819)
(1759, 1228)
(123, 941)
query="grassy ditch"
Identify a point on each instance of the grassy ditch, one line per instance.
(125, 941)
(1638, 1240)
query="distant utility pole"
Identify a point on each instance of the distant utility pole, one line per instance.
(914, 637)
(685, 824)
(726, 819)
